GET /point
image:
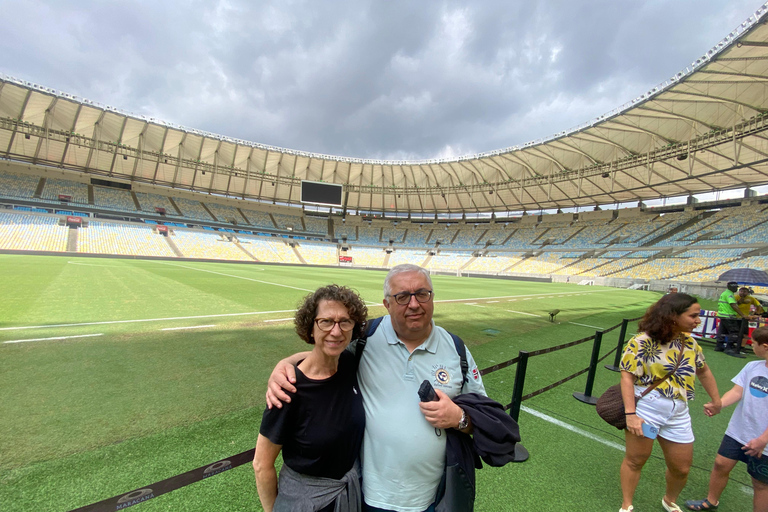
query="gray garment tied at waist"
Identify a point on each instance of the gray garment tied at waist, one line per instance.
(304, 493)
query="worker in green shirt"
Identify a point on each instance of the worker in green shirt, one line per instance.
(730, 316)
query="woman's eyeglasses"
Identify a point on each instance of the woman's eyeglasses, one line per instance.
(403, 298)
(326, 324)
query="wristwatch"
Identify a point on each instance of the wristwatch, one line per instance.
(464, 421)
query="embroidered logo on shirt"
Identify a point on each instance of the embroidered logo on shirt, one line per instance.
(441, 375)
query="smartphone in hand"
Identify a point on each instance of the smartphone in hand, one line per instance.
(650, 431)
(427, 392)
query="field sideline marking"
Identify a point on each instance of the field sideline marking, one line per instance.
(529, 295)
(570, 427)
(148, 320)
(55, 338)
(189, 327)
(237, 277)
(577, 430)
(521, 313)
(221, 315)
(585, 325)
(278, 320)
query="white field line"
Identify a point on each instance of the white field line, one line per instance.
(521, 313)
(589, 435)
(570, 427)
(188, 327)
(148, 320)
(278, 320)
(55, 338)
(528, 295)
(222, 315)
(237, 277)
(585, 325)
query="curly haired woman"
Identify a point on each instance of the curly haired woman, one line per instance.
(663, 345)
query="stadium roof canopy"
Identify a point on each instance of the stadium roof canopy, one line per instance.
(704, 129)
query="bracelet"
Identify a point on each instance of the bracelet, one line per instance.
(629, 413)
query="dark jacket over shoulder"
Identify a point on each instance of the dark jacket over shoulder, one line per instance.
(493, 440)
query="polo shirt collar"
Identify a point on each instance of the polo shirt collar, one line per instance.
(430, 344)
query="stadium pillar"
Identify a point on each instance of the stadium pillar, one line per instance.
(619, 347)
(587, 397)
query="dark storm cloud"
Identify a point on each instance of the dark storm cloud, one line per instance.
(362, 78)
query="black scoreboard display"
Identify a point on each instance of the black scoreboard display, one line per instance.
(321, 193)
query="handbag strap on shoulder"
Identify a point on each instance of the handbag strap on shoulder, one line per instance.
(656, 383)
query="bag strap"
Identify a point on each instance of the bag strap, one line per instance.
(657, 382)
(371, 327)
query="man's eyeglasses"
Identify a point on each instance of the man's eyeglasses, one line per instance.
(404, 298)
(326, 324)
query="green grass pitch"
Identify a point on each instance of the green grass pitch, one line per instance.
(146, 369)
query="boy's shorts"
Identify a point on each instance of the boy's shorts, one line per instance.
(757, 468)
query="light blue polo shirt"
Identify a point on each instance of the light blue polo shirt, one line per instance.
(403, 456)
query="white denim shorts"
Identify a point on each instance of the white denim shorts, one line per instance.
(668, 415)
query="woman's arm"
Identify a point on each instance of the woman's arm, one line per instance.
(264, 468)
(710, 386)
(634, 424)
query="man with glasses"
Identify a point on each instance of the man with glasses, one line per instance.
(404, 444)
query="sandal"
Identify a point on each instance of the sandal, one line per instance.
(670, 507)
(704, 504)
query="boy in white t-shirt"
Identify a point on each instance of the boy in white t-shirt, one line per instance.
(747, 434)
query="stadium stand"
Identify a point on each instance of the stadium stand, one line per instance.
(225, 213)
(288, 222)
(196, 244)
(149, 202)
(55, 187)
(415, 236)
(694, 245)
(258, 218)
(124, 239)
(18, 186)
(113, 199)
(493, 264)
(271, 250)
(392, 233)
(451, 261)
(367, 256)
(319, 254)
(192, 209)
(345, 232)
(316, 225)
(31, 232)
(369, 235)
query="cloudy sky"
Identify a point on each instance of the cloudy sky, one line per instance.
(370, 79)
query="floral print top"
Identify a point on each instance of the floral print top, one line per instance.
(648, 360)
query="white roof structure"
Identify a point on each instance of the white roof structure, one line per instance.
(704, 129)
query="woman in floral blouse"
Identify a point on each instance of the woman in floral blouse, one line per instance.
(663, 340)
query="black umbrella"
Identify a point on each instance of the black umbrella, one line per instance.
(745, 276)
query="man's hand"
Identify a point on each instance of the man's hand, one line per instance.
(442, 413)
(282, 379)
(755, 447)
